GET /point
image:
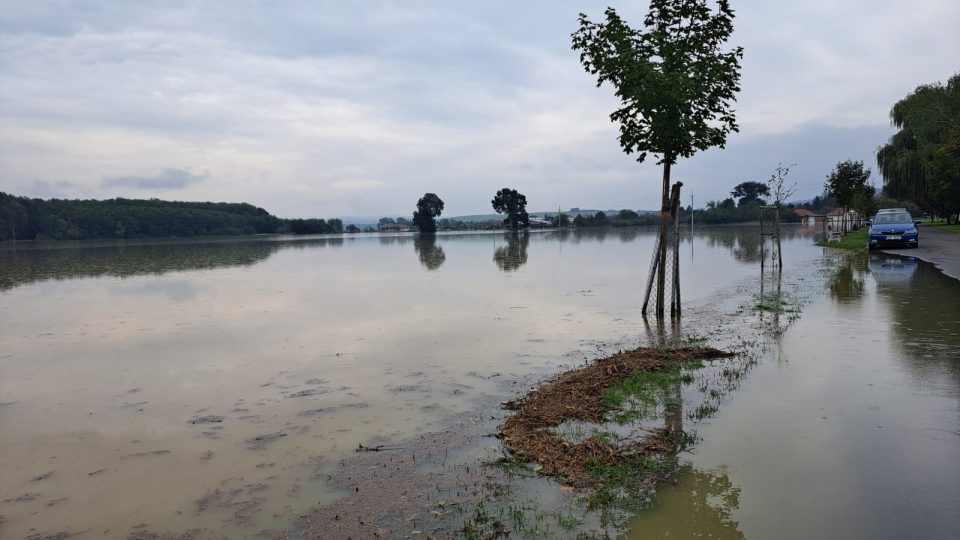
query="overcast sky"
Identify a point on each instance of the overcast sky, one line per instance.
(325, 109)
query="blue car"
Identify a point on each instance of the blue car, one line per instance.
(893, 227)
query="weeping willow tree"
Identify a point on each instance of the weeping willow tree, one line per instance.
(921, 161)
(675, 82)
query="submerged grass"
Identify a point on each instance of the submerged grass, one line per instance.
(778, 302)
(643, 394)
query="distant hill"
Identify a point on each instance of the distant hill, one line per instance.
(65, 219)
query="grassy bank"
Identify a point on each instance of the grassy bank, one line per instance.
(854, 241)
(942, 226)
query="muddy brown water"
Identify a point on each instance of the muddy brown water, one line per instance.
(216, 384)
(849, 427)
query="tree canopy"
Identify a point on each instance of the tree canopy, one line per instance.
(750, 192)
(514, 204)
(922, 160)
(848, 179)
(675, 83)
(429, 208)
(68, 219)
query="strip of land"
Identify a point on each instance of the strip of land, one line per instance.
(578, 395)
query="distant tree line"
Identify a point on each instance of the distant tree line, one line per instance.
(623, 218)
(74, 219)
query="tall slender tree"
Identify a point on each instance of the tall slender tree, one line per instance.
(675, 82)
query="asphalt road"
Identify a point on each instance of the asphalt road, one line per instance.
(938, 247)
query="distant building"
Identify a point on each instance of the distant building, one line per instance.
(541, 223)
(393, 227)
(840, 221)
(809, 218)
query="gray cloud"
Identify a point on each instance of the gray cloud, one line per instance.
(336, 108)
(46, 189)
(165, 179)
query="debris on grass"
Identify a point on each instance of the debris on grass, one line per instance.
(582, 395)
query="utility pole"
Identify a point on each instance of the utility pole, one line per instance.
(691, 209)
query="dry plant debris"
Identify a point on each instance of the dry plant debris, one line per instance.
(578, 395)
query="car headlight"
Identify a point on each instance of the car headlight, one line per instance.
(912, 231)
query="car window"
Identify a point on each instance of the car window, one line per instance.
(882, 219)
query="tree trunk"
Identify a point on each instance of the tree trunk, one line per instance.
(779, 245)
(662, 256)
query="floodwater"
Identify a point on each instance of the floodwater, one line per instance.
(848, 428)
(214, 384)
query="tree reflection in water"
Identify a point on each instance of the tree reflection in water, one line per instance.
(700, 505)
(847, 283)
(431, 254)
(513, 255)
(79, 259)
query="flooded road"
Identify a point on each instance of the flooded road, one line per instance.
(849, 427)
(214, 385)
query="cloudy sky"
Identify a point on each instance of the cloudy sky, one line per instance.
(324, 109)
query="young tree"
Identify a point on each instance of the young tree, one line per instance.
(846, 180)
(675, 83)
(777, 184)
(514, 205)
(429, 208)
(750, 192)
(778, 187)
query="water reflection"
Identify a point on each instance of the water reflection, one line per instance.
(661, 335)
(891, 270)
(925, 308)
(431, 255)
(80, 260)
(513, 255)
(923, 304)
(746, 242)
(31, 262)
(700, 505)
(848, 283)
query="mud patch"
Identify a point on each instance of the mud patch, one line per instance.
(208, 419)
(308, 392)
(405, 493)
(261, 441)
(43, 476)
(152, 453)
